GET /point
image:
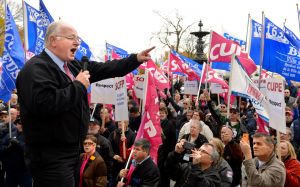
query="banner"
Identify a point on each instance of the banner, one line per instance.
(255, 41)
(13, 58)
(275, 96)
(211, 76)
(242, 85)
(184, 67)
(191, 87)
(139, 86)
(160, 80)
(121, 105)
(280, 55)
(216, 88)
(192, 64)
(150, 125)
(222, 49)
(121, 52)
(103, 92)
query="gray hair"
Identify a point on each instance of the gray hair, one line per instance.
(144, 143)
(52, 29)
(214, 155)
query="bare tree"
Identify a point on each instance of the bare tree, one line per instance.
(170, 28)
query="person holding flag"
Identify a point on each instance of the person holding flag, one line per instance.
(52, 89)
(145, 171)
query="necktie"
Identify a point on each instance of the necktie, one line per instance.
(67, 70)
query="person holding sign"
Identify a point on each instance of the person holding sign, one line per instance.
(52, 90)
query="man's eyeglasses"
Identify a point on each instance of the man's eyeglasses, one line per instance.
(204, 151)
(71, 37)
(88, 143)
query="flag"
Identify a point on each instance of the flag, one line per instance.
(221, 50)
(184, 67)
(192, 64)
(263, 126)
(35, 32)
(119, 51)
(150, 125)
(220, 65)
(280, 55)
(291, 37)
(13, 58)
(160, 80)
(212, 76)
(244, 87)
(228, 36)
(256, 31)
(83, 50)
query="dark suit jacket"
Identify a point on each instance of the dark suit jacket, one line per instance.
(54, 110)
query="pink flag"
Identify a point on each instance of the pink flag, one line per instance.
(213, 76)
(172, 65)
(150, 125)
(263, 126)
(160, 80)
(184, 67)
(221, 50)
(129, 81)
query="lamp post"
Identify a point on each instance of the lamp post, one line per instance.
(200, 56)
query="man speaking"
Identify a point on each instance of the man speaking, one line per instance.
(52, 89)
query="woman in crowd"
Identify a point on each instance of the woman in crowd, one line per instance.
(292, 165)
(92, 169)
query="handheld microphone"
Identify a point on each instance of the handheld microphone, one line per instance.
(85, 61)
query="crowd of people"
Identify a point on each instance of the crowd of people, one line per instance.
(48, 138)
(200, 146)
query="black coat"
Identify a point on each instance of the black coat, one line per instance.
(145, 174)
(54, 110)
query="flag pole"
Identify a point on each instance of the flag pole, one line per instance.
(249, 34)
(229, 89)
(262, 43)
(143, 109)
(200, 82)
(298, 16)
(25, 28)
(208, 60)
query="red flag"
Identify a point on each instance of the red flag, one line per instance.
(184, 67)
(160, 80)
(213, 76)
(263, 126)
(150, 125)
(221, 50)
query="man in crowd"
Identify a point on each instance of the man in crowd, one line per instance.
(201, 171)
(52, 90)
(265, 169)
(145, 173)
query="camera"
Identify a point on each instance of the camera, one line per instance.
(188, 145)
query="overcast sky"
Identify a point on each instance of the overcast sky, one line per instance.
(130, 24)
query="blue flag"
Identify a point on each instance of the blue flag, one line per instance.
(232, 38)
(34, 25)
(280, 55)
(292, 37)
(13, 57)
(83, 50)
(221, 65)
(255, 41)
(121, 52)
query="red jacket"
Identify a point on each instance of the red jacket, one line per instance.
(292, 172)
